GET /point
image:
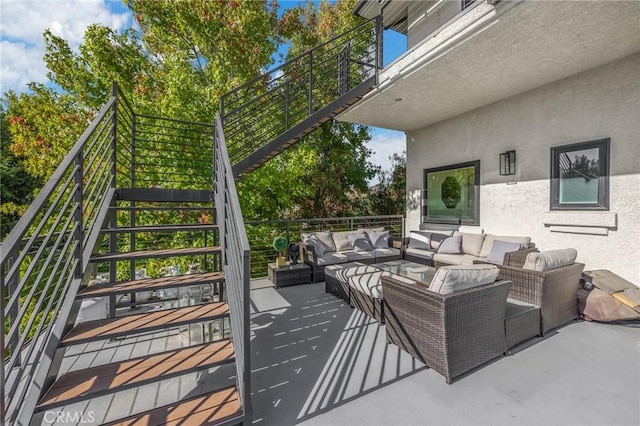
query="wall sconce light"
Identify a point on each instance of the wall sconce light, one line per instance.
(508, 163)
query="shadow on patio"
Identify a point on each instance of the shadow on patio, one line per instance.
(311, 353)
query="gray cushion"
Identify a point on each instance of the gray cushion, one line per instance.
(332, 259)
(490, 238)
(379, 239)
(343, 272)
(454, 259)
(360, 242)
(386, 253)
(500, 248)
(420, 240)
(327, 239)
(318, 247)
(369, 284)
(542, 261)
(359, 256)
(451, 245)
(450, 279)
(471, 243)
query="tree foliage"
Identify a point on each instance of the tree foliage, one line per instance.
(17, 187)
(179, 61)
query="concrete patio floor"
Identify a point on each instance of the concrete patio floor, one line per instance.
(316, 361)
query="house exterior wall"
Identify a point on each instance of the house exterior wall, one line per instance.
(603, 102)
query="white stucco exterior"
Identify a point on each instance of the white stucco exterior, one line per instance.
(603, 102)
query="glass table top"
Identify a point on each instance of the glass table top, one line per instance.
(405, 268)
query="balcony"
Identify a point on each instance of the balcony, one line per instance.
(317, 361)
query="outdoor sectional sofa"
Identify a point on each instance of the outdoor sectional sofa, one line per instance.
(321, 249)
(463, 248)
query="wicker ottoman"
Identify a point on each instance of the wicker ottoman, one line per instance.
(365, 293)
(337, 276)
(522, 322)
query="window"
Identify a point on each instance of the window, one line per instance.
(580, 176)
(452, 194)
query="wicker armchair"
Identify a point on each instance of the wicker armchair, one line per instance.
(554, 291)
(452, 334)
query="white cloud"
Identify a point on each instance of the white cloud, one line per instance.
(385, 143)
(22, 24)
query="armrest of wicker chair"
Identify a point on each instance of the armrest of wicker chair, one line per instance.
(554, 291)
(451, 333)
(310, 258)
(517, 258)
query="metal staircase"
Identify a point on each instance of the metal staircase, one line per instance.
(121, 204)
(265, 116)
(117, 207)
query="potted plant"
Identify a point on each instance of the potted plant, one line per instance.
(280, 244)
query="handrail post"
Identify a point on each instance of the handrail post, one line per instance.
(310, 82)
(378, 30)
(114, 134)
(77, 216)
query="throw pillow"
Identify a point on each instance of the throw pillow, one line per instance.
(499, 249)
(451, 245)
(360, 243)
(542, 261)
(420, 240)
(318, 247)
(379, 239)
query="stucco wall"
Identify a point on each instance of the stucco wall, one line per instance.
(600, 103)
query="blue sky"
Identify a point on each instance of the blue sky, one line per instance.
(22, 23)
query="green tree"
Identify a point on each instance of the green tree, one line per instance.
(323, 175)
(17, 187)
(389, 195)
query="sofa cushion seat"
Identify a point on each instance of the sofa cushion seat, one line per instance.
(455, 259)
(332, 259)
(450, 279)
(369, 284)
(343, 271)
(357, 256)
(387, 253)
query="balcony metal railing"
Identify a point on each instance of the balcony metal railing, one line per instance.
(262, 233)
(44, 258)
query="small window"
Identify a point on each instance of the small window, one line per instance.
(580, 176)
(452, 194)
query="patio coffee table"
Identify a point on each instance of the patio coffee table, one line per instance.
(408, 269)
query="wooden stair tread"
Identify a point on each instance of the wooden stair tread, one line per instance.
(124, 287)
(162, 228)
(96, 381)
(145, 254)
(210, 409)
(140, 323)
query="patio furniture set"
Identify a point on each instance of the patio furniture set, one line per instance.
(499, 293)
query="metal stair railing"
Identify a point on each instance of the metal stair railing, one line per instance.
(235, 263)
(43, 260)
(286, 97)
